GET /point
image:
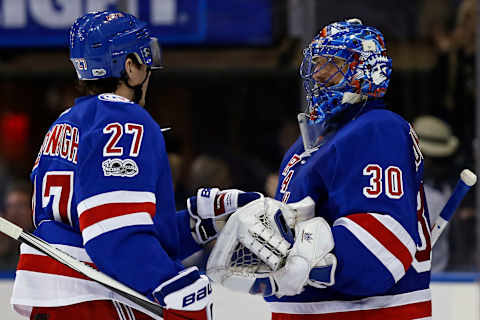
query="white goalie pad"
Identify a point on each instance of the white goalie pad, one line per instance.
(255, 242)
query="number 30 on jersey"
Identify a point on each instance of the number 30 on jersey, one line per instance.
(388, 181)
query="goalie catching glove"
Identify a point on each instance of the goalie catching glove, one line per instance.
(210, 209)
(258, 254)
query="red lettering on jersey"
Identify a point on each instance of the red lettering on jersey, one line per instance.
(72, 155)
(66, 141)
(285, 197)
(59, 185)
(416, 148)
(137, 131)
(394, 185)
(375, 188)
(61, 140)
(293, 161)
(40, 152)
(51, 148)
(59, 145)
(286, 181)
(422, 256)
(116, 131)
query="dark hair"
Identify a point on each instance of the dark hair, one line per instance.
(107, 85)
(94, 87)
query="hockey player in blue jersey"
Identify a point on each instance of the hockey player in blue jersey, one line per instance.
(362, 243)
(103, 192)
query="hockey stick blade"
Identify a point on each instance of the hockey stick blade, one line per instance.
(17, 233)
(466, 181)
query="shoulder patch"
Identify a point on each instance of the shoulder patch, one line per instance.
(113, 98)
(120, 168)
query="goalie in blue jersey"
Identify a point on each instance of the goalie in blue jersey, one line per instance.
(103, 192)
(347, 235)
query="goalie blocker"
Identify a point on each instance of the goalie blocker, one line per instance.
(258, 254)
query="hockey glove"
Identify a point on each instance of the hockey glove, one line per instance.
(309, 261)
(210, 209)
(187, 295)
(258, 254)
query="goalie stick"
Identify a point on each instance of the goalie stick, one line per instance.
(17, 233)
(466, 181)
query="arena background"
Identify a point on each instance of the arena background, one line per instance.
(230, 90)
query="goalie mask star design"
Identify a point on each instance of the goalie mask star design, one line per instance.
(346, 63)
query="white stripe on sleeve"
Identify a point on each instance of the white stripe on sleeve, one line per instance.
(394, 265)
(398, 230)
(103, 226)
(115, 197)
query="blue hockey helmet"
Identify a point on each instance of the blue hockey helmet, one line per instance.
(101, 41)
(359, 68)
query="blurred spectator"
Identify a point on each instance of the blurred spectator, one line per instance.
(271, 183)
(18, 210)
(18, 206)
(60, 96)
(396, 19)
(453, 98)
(287, 134)
(453, 95)
(435, 21)
(208, 171)
(177, 164)
(438, 146)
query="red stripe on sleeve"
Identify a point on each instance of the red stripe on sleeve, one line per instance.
(45, 264)
(384, 236)
(111, 210)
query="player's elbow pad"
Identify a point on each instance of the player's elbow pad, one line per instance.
(188, 295)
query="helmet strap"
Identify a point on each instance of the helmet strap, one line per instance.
(137, 90)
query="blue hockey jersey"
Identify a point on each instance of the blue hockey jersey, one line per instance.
(102, 193)
(366, 179)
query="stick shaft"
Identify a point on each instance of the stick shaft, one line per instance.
(17, 233)
(461, 189)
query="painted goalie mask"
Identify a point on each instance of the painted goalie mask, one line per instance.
(345, 64)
